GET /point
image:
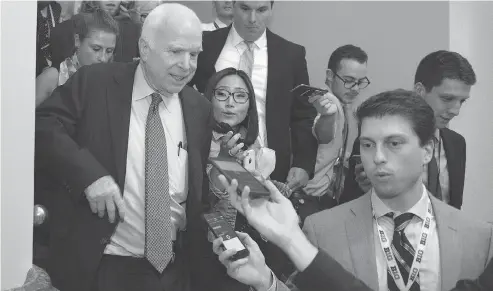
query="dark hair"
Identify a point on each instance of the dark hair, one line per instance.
(404, 103)
(251, 120)
(441, 65)
(348, 51)
(97, 20)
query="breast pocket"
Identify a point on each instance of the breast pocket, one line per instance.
(179, 175)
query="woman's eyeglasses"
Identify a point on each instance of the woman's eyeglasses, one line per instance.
(239, 97)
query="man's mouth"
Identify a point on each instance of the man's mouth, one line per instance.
(178, 78)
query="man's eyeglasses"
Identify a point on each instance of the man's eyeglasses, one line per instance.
(239, 97)
(349, 84)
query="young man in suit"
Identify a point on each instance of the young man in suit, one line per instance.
(444, 79)
(275, 66)
(127, 145)
(397, 234)
(277, 220)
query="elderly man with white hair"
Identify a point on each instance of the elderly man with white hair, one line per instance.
(125, 146)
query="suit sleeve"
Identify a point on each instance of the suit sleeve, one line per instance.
(304, 144)
(56, 150)
(325, 273)
(483, 283)
(351, 187)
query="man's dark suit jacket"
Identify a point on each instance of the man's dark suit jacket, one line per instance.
(82, 135)
(455, 152)
(62, 43)
(289, 119)
(325, 273)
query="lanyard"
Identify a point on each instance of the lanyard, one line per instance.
(385, 243)
(215, 25)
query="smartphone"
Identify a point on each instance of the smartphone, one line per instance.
(231, 169)
(221, 228)
(307, 91)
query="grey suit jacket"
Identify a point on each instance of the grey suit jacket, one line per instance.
(346, 234)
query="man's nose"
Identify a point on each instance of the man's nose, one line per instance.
(252, 17)
(379, 156)
(455, 109)
(185, 62)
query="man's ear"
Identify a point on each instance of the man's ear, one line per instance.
(329, 77)
(143, 49)
(420, 89)
(428, 151)
(76, 41)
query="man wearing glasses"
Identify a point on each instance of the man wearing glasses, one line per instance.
(345, 77)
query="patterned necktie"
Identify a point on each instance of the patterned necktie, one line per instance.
(434, 177)
(247, 58)
(158, 240)
(403, 252)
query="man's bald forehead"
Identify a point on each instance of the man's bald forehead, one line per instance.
(169, 15)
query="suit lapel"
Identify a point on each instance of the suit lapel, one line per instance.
(448, 240)
(217, 46)
(274, 58)
(359, 229)
(119, 102)
(193, 134)
(452, 160)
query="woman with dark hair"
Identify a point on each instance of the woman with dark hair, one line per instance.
(95, 39)
(235, 135)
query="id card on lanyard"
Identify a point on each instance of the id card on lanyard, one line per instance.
(385, 244)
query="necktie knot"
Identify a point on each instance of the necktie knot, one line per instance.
(402, 221)
(250, 45)
(156, 99)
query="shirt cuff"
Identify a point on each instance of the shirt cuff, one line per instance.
(314, 125)
(272, 287)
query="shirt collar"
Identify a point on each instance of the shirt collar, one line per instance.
(220, 23)
(141, 88)
(419, 209)
(236, 39)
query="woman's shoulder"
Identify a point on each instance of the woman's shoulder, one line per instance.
(48, 76)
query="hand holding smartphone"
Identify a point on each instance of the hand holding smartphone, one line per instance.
(221, 228)
(303, 90)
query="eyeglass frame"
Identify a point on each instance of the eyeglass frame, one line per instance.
(355, 82)
(231, 94)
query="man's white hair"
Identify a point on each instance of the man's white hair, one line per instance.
(164, 14)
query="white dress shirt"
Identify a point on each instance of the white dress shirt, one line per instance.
(211, 26)
(129, 236)
(429, 273)
(442, 169)
(230, 57)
